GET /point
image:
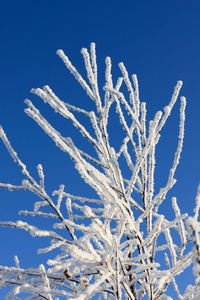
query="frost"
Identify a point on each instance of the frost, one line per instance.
(107, 246)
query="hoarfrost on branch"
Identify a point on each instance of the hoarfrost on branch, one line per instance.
(115, 255)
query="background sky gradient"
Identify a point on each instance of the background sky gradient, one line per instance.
(159, 40)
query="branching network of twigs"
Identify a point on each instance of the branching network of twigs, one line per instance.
(106, 252)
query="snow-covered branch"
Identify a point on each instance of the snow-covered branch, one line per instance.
(118, 245)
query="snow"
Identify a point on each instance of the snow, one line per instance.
(108, 245)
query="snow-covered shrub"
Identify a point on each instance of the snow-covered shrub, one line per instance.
(114, 255)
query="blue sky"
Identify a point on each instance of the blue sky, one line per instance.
(159, 40)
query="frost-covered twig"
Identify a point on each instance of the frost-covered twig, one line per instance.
(112, 241)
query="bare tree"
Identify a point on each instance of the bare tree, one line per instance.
(110, 250)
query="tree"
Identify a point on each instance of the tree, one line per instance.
(111, 248)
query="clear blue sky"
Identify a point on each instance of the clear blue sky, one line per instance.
(159, 40)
